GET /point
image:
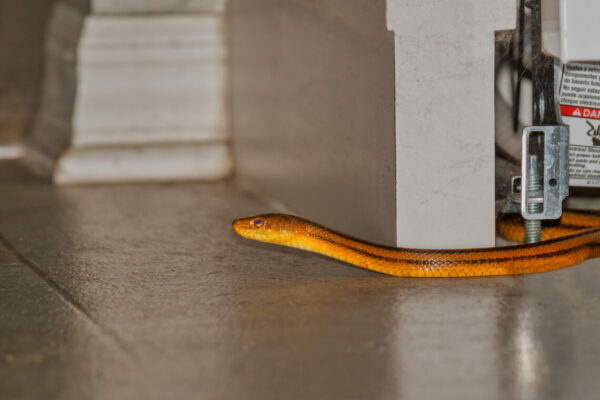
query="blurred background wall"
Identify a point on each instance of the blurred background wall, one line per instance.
(110, 91)
(22, 37)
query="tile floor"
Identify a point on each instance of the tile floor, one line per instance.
(144, 291)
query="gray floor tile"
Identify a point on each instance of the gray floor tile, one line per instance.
(144, 291)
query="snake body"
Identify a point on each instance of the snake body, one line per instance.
(575, 239)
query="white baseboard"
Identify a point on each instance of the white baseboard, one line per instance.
(9, 151)
(123, 90)
(165, 162)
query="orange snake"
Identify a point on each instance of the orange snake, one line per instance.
(574, 239)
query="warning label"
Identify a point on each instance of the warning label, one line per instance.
(580, 109)
(581, 112)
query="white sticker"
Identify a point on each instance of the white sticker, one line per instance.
(580, 109)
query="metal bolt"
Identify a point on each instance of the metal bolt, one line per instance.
(533, 228)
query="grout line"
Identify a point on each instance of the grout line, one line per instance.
(64, 295)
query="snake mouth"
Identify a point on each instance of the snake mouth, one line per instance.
(244, 228)
(237, 226)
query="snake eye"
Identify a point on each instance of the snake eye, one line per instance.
(258, 222)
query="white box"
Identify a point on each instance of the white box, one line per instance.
(574, 35)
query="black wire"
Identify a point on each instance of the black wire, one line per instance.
(517, 65)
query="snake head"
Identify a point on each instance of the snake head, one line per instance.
(271, 228)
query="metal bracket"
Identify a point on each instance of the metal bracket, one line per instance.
(554, 187)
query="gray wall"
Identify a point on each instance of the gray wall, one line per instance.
(22, 30)
(313, 109)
